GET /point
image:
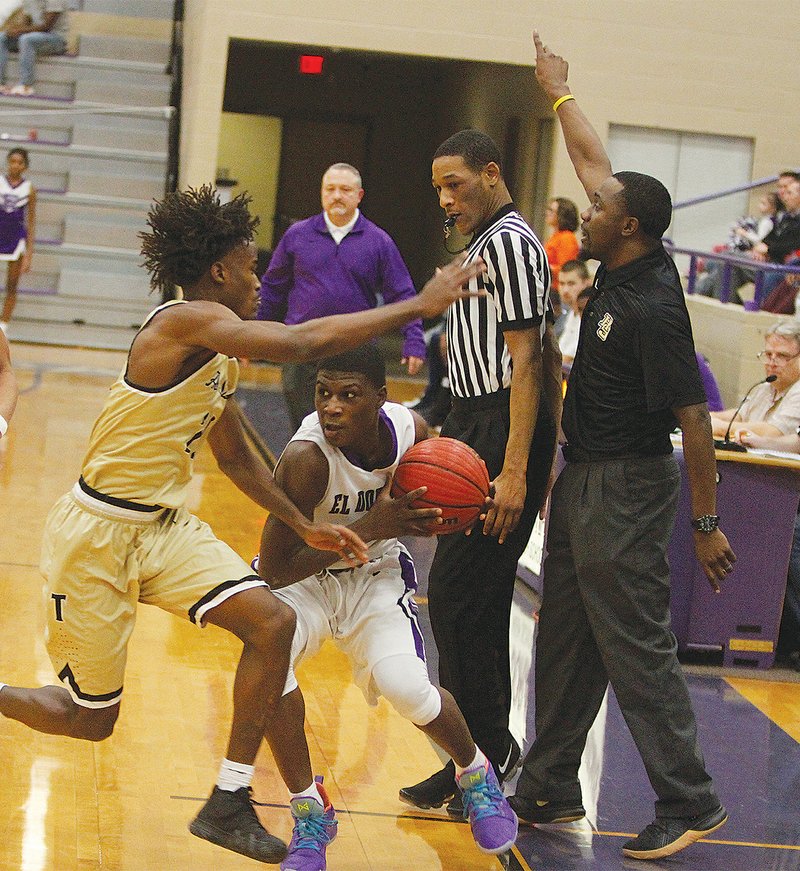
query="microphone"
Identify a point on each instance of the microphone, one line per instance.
(448, 225)
(726, 444)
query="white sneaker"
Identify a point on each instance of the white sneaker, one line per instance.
(21, 90)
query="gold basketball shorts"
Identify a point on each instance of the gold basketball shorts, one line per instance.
(99, 560)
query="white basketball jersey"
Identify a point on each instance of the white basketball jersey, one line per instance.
(351, 490)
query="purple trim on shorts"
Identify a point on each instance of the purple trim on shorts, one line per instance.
(220, 588)
(408, 605)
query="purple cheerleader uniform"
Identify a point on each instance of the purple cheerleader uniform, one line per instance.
(13, 205)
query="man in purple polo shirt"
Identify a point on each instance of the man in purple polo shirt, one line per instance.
(334, 263)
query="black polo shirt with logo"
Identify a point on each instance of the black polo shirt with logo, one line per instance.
(635, 362)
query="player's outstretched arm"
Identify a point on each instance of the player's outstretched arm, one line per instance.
(8, 382)
(238, 460)
(583, 144)
(207, 324)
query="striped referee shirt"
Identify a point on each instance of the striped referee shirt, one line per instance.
(517, 281)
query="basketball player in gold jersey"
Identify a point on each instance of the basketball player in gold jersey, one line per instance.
(123, 535)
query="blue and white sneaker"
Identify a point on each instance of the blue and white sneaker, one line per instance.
(493, 822)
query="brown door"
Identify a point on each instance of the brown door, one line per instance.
(308, 148)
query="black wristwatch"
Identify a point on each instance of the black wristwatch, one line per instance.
(707, 523)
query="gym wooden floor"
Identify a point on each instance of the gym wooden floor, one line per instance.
(124, 804)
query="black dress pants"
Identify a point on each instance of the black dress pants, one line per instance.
(605, 617)
(472, 577)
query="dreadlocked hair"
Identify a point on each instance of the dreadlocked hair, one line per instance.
(190, 230)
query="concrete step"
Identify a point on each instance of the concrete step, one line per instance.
(70, 200)
(88, 311)
(125, 48)
(159, 9)
(99, 129)
(56, 209)
(105, 136)
(122, 94)
(116, 185)
(31, 329)
(111, 231)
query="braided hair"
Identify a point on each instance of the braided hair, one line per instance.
(190, 230)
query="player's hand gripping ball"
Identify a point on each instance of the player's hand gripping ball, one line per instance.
(456, 478)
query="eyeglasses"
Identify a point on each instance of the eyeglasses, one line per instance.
(776, 356)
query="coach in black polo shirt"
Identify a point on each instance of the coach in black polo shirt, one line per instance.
(605, 612)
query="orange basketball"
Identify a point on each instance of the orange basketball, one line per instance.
(456, 478)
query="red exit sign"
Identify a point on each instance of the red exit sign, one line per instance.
(311, 64)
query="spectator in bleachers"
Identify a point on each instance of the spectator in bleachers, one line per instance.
(561, 217)
(751, 230)
(771, 409)
(780, 245)
(17, 225)
(40, 29)
(574, 285)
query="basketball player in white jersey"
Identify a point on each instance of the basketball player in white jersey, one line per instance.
(123, 535)
(335, 469)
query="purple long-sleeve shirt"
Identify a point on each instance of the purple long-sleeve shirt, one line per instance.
(310, 276)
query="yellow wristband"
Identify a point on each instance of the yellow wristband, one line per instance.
(562, 100)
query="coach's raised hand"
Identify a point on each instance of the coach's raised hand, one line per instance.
(449, 284)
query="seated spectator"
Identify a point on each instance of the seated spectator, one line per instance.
(778, 246)
(574, 286)
(561, 217)
(751, 230)
(40, 29)
(788, 649)
(770, 409)
(785, 299)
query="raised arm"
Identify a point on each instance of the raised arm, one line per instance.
(583, 144)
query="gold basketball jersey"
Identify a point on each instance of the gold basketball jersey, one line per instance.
(142, 446)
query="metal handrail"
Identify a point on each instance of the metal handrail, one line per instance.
(729, 260)
(175, 69)
(727, 192)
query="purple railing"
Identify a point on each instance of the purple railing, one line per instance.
(728, 261)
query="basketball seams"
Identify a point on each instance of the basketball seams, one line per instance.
(464, 478)
(455, 475)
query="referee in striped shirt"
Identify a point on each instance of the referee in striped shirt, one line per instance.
(505, 375)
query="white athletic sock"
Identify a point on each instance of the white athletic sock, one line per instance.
(235, 775)
(309, 792)
(478, 762)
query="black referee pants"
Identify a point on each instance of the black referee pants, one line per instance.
(605, 617)
(471, 581)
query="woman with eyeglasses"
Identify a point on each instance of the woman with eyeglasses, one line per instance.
(772, 406)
